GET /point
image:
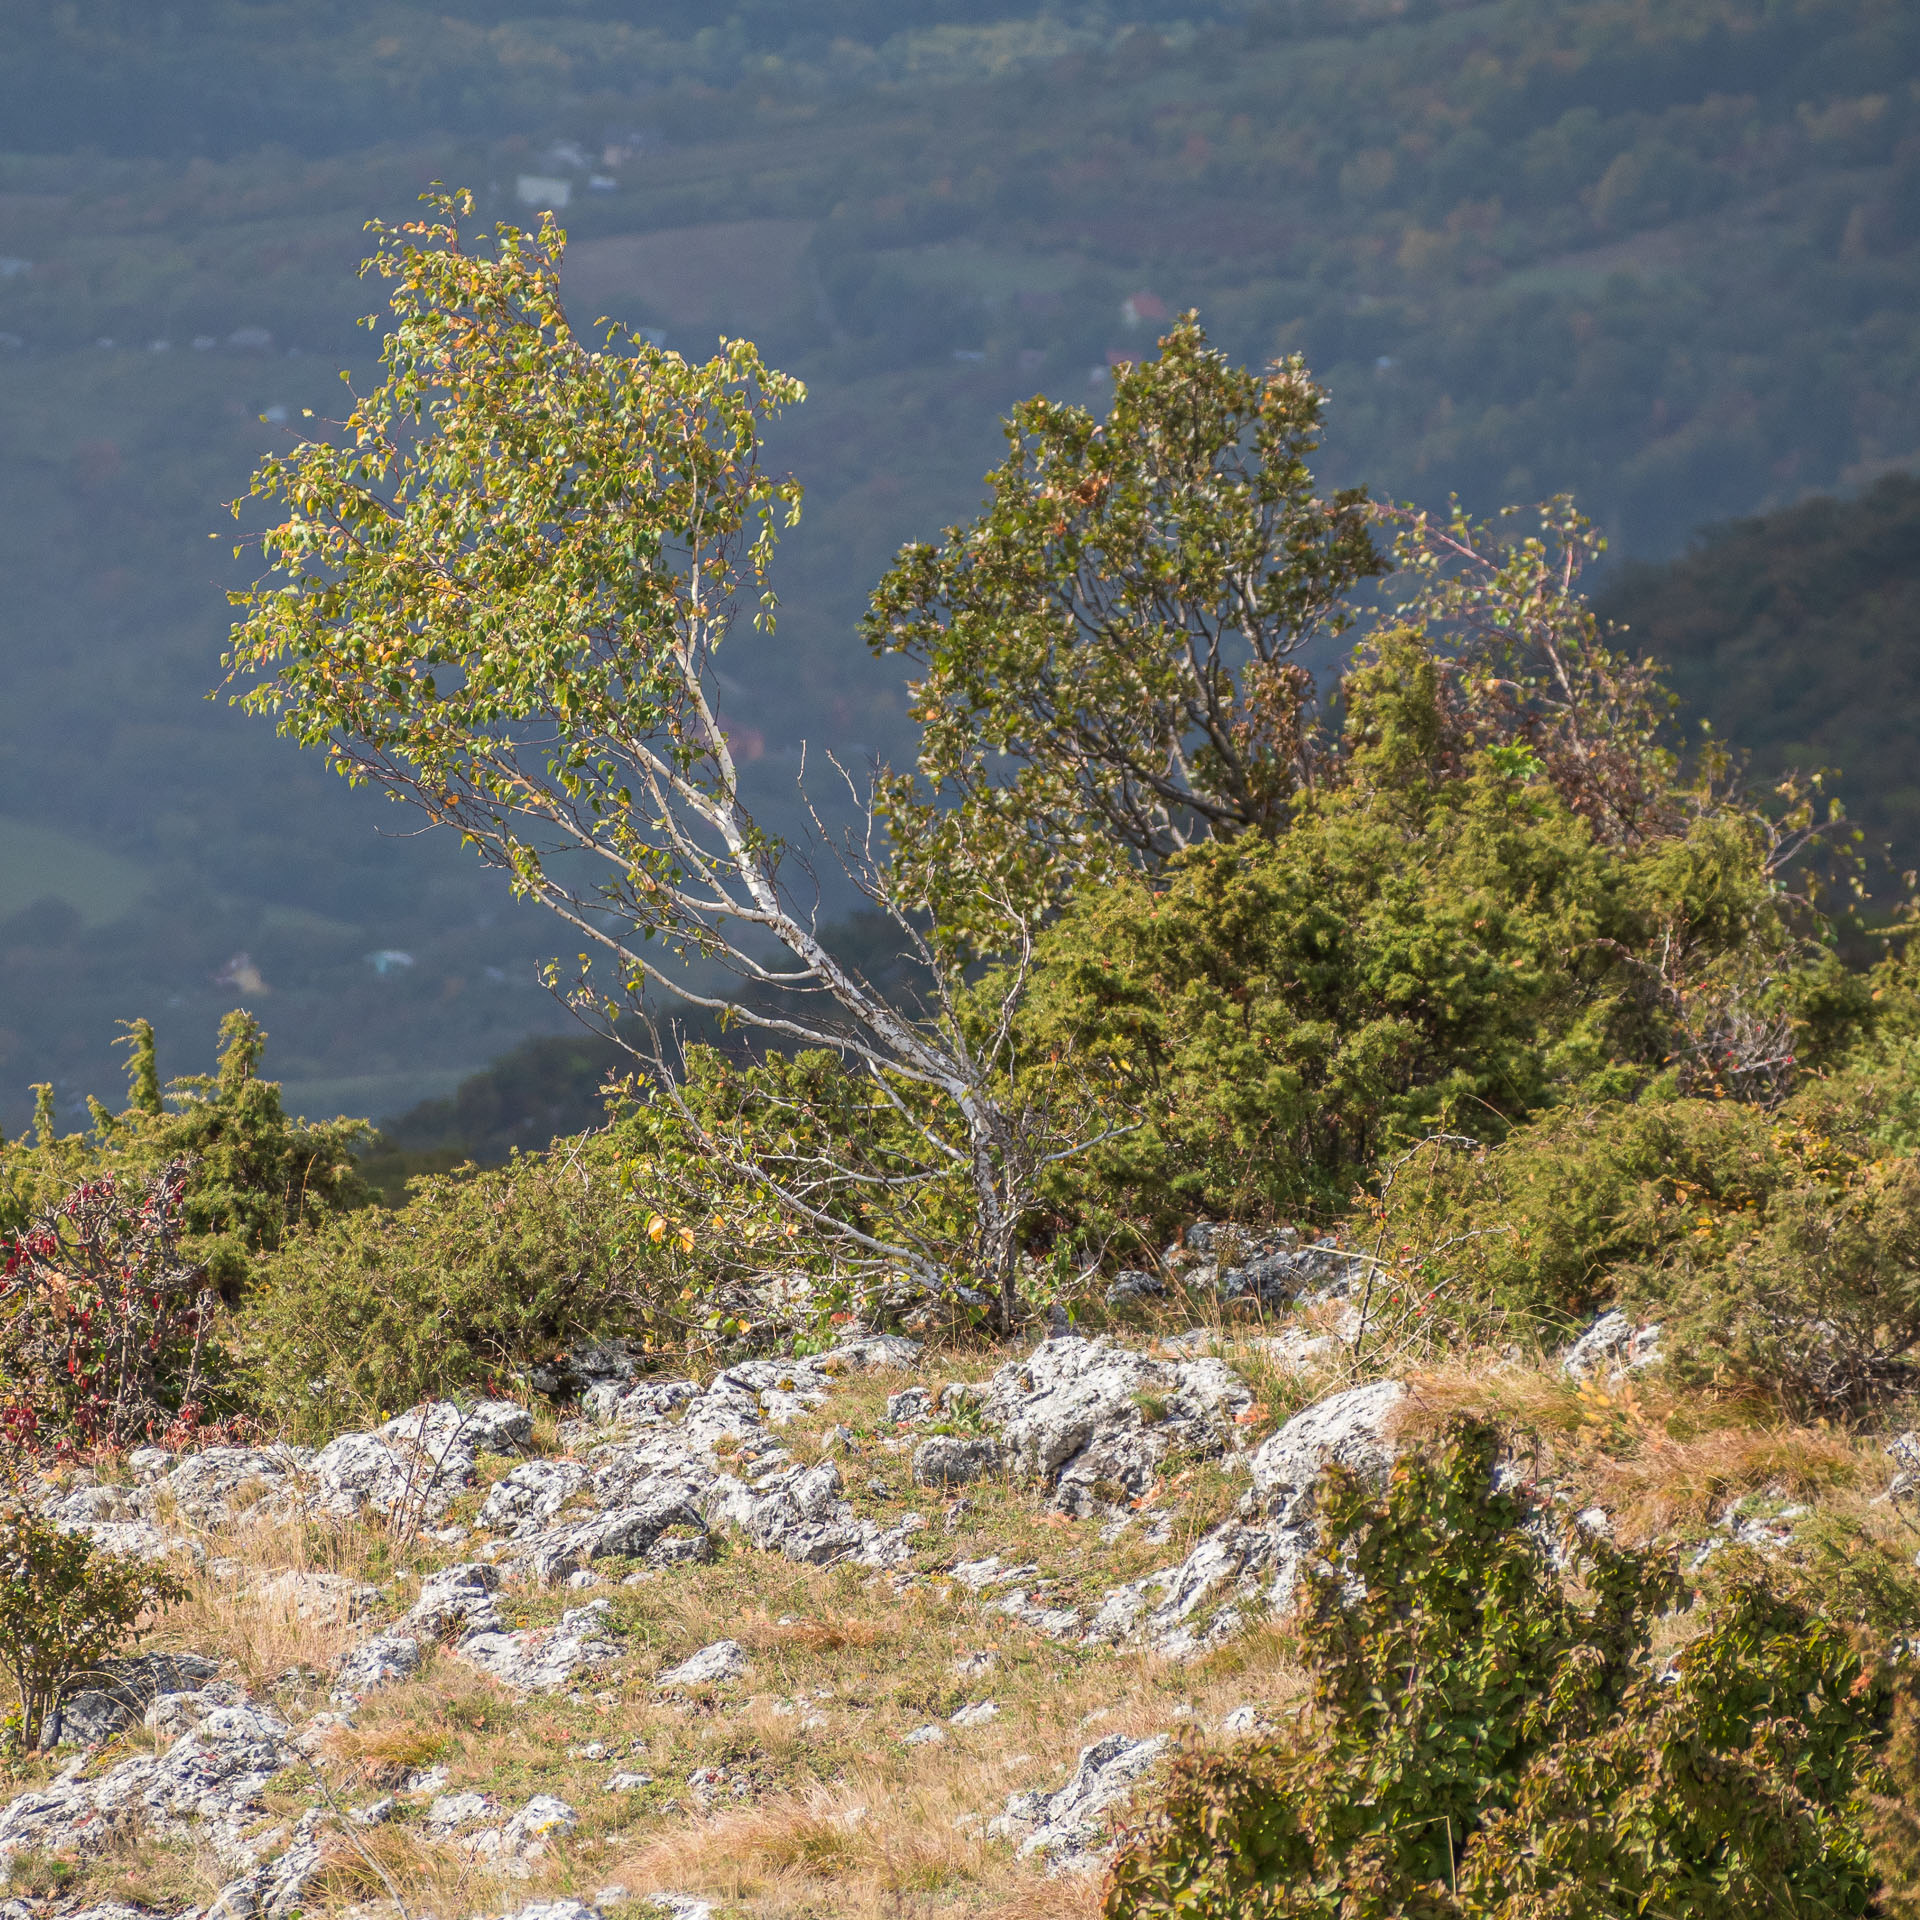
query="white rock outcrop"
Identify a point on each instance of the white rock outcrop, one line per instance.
(723, 1660)
(1254, 1560)
(205, 1787)
(415, 1463)
(1067, 1827)
(543, 1660)
(1612, 1346)
(1093, 1420)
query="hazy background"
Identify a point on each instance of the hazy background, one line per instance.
(1666, 257)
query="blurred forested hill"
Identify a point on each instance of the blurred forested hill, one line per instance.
(1665, 256)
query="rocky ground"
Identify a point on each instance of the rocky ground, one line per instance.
(885, 1630)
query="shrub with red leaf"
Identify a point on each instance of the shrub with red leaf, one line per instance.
(104, 1327)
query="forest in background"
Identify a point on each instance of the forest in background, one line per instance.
(1665, 259)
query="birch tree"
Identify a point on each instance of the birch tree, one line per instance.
(496, 592)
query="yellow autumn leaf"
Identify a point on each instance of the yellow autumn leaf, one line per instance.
(657, 1228)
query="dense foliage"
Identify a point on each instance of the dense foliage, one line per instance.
(499, 593)
(638, 1229)
(105, 1331)
(1434, 940)
(253, 1173)
(1779, 1250)
(465, 1287)
(1489, 1734)
(127, 1247)
(1118, 626)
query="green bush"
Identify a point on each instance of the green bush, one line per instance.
(1489, 1735)
(1546, 1223)
(1780, 1252)
(1414, 952)
(481, 1274)
(63, 1609)
(1819, 1302)
(660, 1226)
(862, 1188)
(256, 1175)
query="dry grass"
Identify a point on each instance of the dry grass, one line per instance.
(758, 1630)
(254, 1599)
(833, 1814)
(125, 1863)
(1662, 1462)
(380, 1756)
(1666, 1484)
(871, 1847)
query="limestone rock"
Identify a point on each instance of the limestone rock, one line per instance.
(1348, 1427)
(456, 1601)
(535, 1661)
(175, 1715)
(596, 1363)
(1065, 1828)
(86, 1719)
(954, 1459)
(1271, 1267)
(658, 1484)
(216, 1484)
(871, 1352)
(1297, 1350)
(1255, 1559)
(124, 1691)
(275, 1890)
(207, 1786)
(135, 1539)
(783, 1388)
(633, 1530)
(1075, 1414)
(1295, 1276)
(723, 1660)
(81, 1506)
(375, 1662)
(643, 1403)
(414, 1464)
(543, 1818)
(529, 1497)
(796, 1511)
(1612, 1346)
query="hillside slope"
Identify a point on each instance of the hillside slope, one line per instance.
(1798, 636)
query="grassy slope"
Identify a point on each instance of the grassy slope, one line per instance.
(814, 1806)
